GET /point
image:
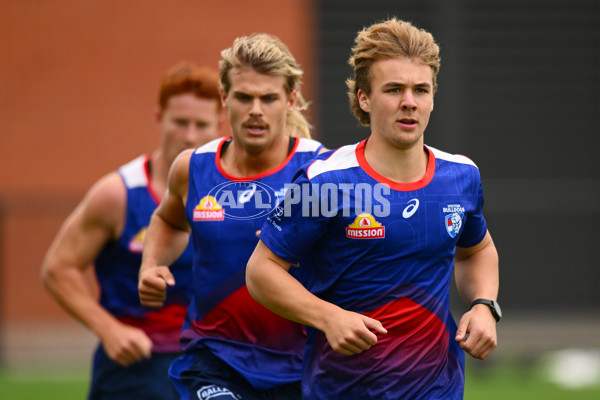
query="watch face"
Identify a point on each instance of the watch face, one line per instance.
(497, 309)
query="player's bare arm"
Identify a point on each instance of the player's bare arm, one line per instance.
(270, 283)
(167, 236)
(97, 220)
(477, 276)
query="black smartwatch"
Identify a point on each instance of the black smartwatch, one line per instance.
(493, 305)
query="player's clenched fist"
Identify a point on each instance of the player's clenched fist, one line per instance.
(352, 333)
(153, 284)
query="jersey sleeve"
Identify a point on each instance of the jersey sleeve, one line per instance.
(297, 223)
(475, 225)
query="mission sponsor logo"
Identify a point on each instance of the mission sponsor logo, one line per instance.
(453, 220)
(136, 244)
(208, 209)
(365, 227)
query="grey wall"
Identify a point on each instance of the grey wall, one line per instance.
(518, 94)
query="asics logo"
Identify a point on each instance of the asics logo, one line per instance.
(411, 208)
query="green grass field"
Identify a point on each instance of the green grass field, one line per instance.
(515, 381)
(46, 384)
(504, 381)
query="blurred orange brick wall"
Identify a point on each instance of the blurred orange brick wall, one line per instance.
(78, 86)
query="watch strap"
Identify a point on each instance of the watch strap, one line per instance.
(491, 304)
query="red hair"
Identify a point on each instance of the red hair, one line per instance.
(187, 77)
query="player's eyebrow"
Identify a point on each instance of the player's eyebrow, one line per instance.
(389, 85)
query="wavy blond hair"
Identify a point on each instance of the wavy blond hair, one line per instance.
(268, 55)
(384, 40)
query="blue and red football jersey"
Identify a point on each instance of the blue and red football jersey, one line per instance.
(384, 249)
(225, 212)
(118, 264)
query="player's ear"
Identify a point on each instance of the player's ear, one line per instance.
(291, 101)
(223, 97)
(158, 114)
(363, 100)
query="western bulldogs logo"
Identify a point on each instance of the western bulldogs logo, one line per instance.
(454, 223)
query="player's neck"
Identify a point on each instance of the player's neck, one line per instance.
(241, 162)
(159, 172)
(403, 165)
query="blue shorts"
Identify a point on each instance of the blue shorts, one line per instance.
(147, 379)
(200, 375)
